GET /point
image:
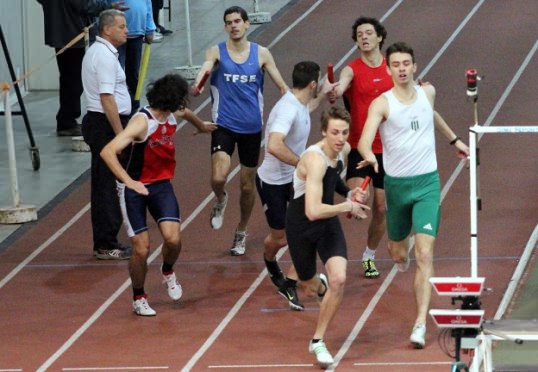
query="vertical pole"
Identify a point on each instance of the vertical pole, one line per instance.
(11, 152)
(256, 8)
(473, 199)
(188, 25)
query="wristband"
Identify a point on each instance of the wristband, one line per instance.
(453, 142)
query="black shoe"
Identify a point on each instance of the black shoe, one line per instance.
(123, 247)
(70, 132)
(112, 254)
(289, 292)
(164, 31)
(275, 274)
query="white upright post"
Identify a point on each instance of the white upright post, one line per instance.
(188, 72)
(474, 200)
(257, 16)
(18, 213)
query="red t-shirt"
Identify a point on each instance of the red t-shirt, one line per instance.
(368, 83)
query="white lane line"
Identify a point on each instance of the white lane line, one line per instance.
(217, 331)
(238, 366)
(127, 283)
(388, 280)
(450, 39)
(403, 364)
(531, 243)
(510, 86)
(518, 273)
(43, 246)
(137, 368)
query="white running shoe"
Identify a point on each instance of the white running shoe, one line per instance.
(418, 336)
(142, 308)
(404, 266)
(325, 359)
(217, 213)
(174, 288)
(239, 244)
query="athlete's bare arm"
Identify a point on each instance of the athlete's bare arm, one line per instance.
(267, 62)
(377, 113)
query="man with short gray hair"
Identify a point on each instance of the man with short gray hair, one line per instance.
(109, 106)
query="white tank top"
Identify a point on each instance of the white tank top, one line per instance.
(408, 137)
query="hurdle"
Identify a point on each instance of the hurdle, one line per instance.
(468, 327)
(503, 329)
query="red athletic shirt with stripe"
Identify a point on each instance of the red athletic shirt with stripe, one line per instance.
(368, 83)
(153, 159)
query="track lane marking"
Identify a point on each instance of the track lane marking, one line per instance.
(206, 201)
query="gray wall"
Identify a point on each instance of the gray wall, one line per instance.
(22, 24)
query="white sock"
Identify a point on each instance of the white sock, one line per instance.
(369, 254)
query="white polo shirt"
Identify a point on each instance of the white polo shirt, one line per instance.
(102, 73)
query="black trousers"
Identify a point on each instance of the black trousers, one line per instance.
(105, 208)
(130, 55)
(156, 6)
(69, 67)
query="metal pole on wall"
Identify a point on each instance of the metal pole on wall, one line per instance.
(18, 213)
(188, 72)
(257, 16)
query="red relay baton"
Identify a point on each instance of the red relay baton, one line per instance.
(330, 77)
(363, 186)
(202, 81)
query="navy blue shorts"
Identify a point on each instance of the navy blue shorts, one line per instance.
(275, 200)
(161, 204)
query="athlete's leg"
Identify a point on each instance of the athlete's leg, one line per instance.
(138, 266)
(220, 168)
(248, 195)
(424, 256)
(377, 226)
(170, 230)
(336, 271)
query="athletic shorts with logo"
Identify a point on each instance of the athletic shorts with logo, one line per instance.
(413, 203)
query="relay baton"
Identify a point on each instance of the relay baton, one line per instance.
(202, 81)
(363, 186)
(142, 71)
(330, 77)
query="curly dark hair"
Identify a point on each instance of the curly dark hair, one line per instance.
(378, 27)
(169, 93)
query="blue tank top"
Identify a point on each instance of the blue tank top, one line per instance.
(236, 92)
